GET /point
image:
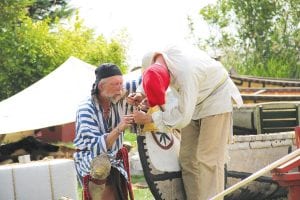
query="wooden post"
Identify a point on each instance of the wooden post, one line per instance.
(297, 136)
(258, 119)
(2, 136)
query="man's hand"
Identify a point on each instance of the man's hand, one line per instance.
(126, 121)
(135, 98)
(141, 117)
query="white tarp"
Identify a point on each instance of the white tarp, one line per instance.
(51, 101)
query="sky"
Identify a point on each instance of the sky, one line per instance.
(149, 24)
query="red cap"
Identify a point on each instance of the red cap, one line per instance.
(156, 80)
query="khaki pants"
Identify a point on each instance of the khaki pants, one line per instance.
(203, 153)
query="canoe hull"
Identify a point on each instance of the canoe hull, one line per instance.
(263, 82)
(261, 95)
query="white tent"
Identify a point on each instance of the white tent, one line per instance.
(51, 101)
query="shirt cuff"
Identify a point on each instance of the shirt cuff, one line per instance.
(158, 121)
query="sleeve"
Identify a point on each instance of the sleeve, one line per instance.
(178, 111)
(88, 135)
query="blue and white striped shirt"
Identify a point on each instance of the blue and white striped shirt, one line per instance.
(92, 130)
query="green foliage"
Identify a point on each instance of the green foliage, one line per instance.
(51, 9)
(81, 42)
(144, 194)
(257, 37)
(130, 137)
(32, 49)
(276, 67)
(141, 193)
(21, 48)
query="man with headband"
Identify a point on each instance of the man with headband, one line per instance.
(101, 160)
(203, 112)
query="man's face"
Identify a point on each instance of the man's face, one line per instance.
(112, 88)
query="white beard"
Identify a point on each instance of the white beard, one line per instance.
(114, 98)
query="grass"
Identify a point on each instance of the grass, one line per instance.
(140, 193)
(131, 138)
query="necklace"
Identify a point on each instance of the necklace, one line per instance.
(106, 112)
(104, 106)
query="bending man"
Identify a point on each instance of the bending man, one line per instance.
(203, 113)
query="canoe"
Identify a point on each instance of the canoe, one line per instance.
(262, 82)
(259, 95)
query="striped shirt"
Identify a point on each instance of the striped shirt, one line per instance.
(92, 129)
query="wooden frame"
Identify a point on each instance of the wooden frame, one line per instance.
(277, 117)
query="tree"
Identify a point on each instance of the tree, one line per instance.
(52, 9)
(259, 37)
(31, 49)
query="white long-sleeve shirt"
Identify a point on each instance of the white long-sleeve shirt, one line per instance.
(201, 85)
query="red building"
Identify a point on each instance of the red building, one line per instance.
(61, 133)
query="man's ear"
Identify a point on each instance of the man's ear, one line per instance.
(100, 86)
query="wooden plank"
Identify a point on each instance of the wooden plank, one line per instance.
(276, 130)
(278, 114)
(258, 119)
(279, 123)
(2, 137)
(286, 167)
(278, 105)
(259, 92)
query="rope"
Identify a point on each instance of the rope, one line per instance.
(86, 194)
